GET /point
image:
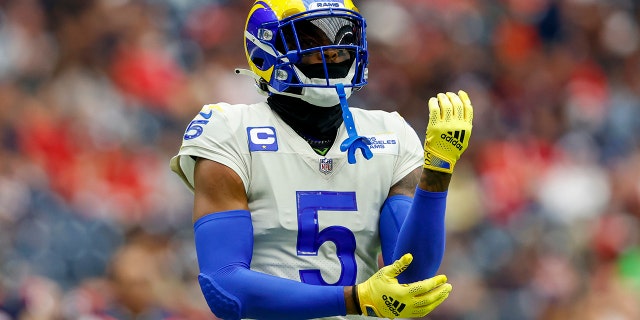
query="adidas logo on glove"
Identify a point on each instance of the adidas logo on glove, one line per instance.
(450, 124)
(456, 138)
(395, 306)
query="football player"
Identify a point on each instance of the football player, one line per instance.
(295, 197)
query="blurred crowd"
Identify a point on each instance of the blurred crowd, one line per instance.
(544, 208)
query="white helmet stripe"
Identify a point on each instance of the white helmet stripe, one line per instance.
(263, 46)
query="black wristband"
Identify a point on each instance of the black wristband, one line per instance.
(356, 300)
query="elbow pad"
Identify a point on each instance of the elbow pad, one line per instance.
(224, 246)
(214, 256)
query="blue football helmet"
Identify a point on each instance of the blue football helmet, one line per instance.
(303, 48)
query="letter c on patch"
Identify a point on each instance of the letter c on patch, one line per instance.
(262, 135)
(262, 139)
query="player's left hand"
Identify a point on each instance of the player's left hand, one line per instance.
(448, 131)
(382, 296)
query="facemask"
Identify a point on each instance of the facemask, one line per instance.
(324, 97)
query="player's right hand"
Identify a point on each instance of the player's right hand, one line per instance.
(382, 296)
(448, 131)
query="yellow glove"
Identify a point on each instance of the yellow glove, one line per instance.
(382, 296)
(448, 131)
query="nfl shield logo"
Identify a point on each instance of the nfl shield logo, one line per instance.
(326, 165)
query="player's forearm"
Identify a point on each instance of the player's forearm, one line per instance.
(423, 235)
(350, 300)
(238, 292)
(424, 232)
(224, 246)
(434, 181)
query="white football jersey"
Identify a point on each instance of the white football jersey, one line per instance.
(315, 218)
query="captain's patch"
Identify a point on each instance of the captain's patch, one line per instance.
(262, 139)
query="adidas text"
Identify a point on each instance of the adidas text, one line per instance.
(451, 140)
(395, 306)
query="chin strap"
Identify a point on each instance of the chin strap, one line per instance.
(354, 141)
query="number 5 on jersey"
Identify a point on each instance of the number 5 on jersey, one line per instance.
(310, 238)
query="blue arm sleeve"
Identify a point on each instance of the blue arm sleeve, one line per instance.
(224, 245)
(394, 213)
(422, 233)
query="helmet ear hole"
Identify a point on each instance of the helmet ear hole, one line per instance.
(259, 62)
(260, 59)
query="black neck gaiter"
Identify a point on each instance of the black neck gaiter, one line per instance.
(309, 121)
